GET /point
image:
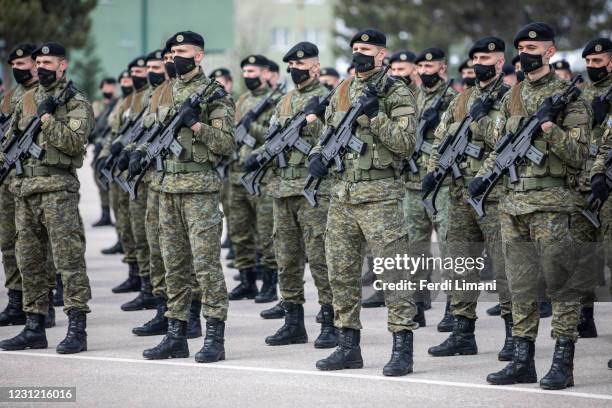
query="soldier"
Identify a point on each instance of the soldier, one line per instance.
(510, 78)
(366, 201)
(272, 75)
(251, 222)
(190, 221)
(47, 203)
(468, 76)
(403, 66)
(563, 70)
(329, 77)
(520, 75)
(535, 212)
(467, 234)
(298, 227)
(350, 71)
(224, 77)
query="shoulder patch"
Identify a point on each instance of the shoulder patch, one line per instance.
(217, 123)
(74, 124)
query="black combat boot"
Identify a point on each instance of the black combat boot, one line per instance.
(401, 355)
(561, 373)
(275, 312)
(105, 219)
(156, 326)
(448, 321)
(319, 318)
(505, 354)
(328, 338)
(32, 336)
(132, 283)
(247, 289)
(145, 299)
(13, 312)
(545, 309)
(346, 355)
(173, 345)
(293, 331)
(494, 310)
(376, 300)
(521, 370)
(213, 349)
(420, 314)
(76, 338)
(460, 342)
(115, 249)
(586, 327)
(268, 289)
(50, 317)
(194, 326)
(58, 297)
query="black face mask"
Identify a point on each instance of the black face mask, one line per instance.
(107, 95)
(46, 77)
(597, 74)
(484, 72)
(252, 83)
(184, 65)
(430, 80)
(22, 76)
(126, 90)
(328, 86)
(469, 81)
(139, 82)
(520, 76)
(299, 75)
(363, 63)
(170, 69)
(156, 78)
(530, 62)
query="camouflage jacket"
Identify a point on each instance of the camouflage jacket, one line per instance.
(606, 145)
(389, 138)
(117, 116)
(194, 171)
(598, 144)
(63, 138)
(481, 133)
(565, 146)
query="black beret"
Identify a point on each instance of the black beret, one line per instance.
(185, 37)
(300, 51)
(487, 45)
(597, 46)
(535, 32)
(402, 56)
(508, 69)
(516, 59)
(220, 72)
(465, 65)
(330, 71)
(157, 55)
(273, 66)
(22, 50)
(562, 64)
(430, 54)
(255, 59)
(370, 36)
(107, 80)
(53, 49)
(138, 62)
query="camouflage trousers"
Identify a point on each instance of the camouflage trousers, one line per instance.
(189, 236)
(250, 228)
(225, 200)
(121, 203)
(533, 242)
(157, 271)
(54, 215)
(382, 227)
(468, 235)
(104, 196)
(138, 209)
(299, 229)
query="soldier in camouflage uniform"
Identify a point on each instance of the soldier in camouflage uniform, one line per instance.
(366, 203)
(468, 76)
(535, 212)
(251, 220)
(298, 227)
(47, 203)
(403, 67)
(468, 234)
(329, 78)
(190, 221)
(24, 71)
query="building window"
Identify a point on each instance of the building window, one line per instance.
(313, 35)
(280, 37)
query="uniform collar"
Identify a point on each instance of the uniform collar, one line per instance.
(260, 91)
(60, 84)
(313, 84)
(192, 76)
(604, 83)
(546, 79)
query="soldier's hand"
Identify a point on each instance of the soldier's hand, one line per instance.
(135, 166)
(477, 186)
(123, 161)
(251, 163)
(313, 107)
(316, 167)
(431, 116)
(548, 111)
(247, 120)
(191, 116)
(599, 187)
(600, 110)
(480, 108)
(46, 106)
(429, 182)
(116, 148)
(370, 104)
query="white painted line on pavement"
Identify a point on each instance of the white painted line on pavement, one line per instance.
(224, 366)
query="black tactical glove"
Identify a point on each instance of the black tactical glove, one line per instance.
(247, 120)
(480, 108)
(599, 187)
(548, 111)
(370, 104)
(134, 167)
(191, 116)
(123, 161)
(313, 107)
(477, 186)
(116, 148)
(47, 106)
(432, 118)
(250, 164)
(600, 110)
(316, 167)
(428, 183)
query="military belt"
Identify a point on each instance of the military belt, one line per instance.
(292, 173)
(187, 167)
(535, 183)
(366, 175)
(42, 171)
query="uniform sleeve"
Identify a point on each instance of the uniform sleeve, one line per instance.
(440, 132)
(259, 128)
(498, 129)
(329, 114)
(70, 137)
(218, 134)
(599, 166)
